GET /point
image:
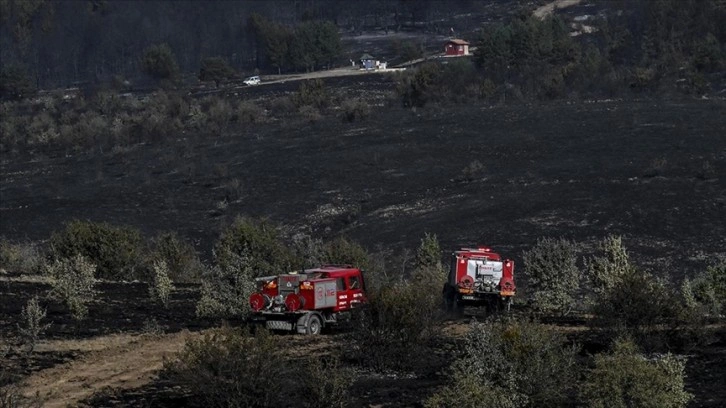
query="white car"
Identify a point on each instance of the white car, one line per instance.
(253, 80)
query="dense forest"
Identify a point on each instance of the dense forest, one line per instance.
(62, 42)
(46, 44)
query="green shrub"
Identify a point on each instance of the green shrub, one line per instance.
(21, 257)
(259, 242)
(325, 383)
(468, 391)
(161, 285)
(159, 62)
(640, 305)
(180, 257)
(415, 88)
(116, 251)
(516, 362)
(394, 330)
(552, 275)
(311, 93)
(428, 253)
(344, 251)
(72, 282)
(354, 110)
(708, 290)
(228, 370)
(226, 288)
(215, 69)
(31, 325)
(606, 270)
(625, 378)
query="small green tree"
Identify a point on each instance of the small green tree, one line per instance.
(607, 270)
(116, 250)
(344, 251)
(159, 62)
(640, 305)
(226, 288)
(72, 282)
(161, 285)
(428, 253)
(517, 363)
(227, 369)
(396, 326)
(625, 378)
(179, 255)
(553, 276)
(708, 290)
(32, 326)
(258, 242)
(215, 69)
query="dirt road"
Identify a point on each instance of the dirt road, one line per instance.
(547, 9)
(119, 361)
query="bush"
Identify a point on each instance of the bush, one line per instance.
(215, 69)
(325, 383)
(259, 243)
(73, 284)
(468, 391)
(428, 253)
(159, 62)
(625, 378)
(396, 327)
(708, 290)
(226, 288)
(226, 369)
(639, 304)
(161, 285)
(116, 251)
(21, 257)
(31, 327)
(354, 110)
(311, 93)
(518, 363)
(346, 252)
(180, 257)
(415, 88)
(553, 276)
(606, 270)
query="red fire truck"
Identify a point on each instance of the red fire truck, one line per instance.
(479, 277)
(309, 300)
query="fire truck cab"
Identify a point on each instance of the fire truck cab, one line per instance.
(479, 277)
(309, 300)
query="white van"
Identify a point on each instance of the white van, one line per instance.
(253, 80)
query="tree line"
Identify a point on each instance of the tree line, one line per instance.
(66, 42)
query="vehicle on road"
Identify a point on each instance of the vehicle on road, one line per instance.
(479, 277)
(308, 301)
(253, 80)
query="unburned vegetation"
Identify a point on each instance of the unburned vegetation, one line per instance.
(632, 340)
(589, 150)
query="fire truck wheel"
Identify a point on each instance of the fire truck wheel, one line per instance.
(314, 325)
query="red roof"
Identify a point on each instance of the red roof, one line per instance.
(458, 41)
